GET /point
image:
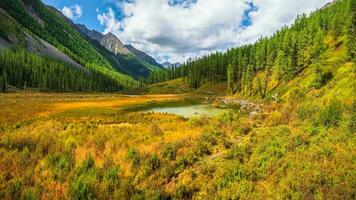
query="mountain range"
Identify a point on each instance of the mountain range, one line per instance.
(45, 31)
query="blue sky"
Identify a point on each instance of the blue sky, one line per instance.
(89, 16)
(175, 30)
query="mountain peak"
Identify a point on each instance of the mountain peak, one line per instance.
(111, 35)
(113, 44)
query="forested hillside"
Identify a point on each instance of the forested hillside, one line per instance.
(27, 24)
(23, 69)
(260, 67)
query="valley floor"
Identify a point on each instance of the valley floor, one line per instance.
(79, 146)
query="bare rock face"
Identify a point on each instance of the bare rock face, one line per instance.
(113, 44)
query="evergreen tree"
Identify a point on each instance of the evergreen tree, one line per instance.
(230, 79)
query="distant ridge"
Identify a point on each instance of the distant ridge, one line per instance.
(168, 64)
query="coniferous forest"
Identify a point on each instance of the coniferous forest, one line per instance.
(284, 54)
(23, 69)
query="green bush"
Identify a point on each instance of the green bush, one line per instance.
(111, 179)
(321, 78)
(60, 165)
(227, 117)
(306, 111)
(82, 187)
(154, 162)
(232, 175)
(134, 156)
(240, 153)
(331, 115)
(202, 149)
(169, 151)
(82, 184)
(15, 189)
(196, 121)
(352, 122)
(183, 193)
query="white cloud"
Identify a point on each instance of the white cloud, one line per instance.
(192, 28)
(109, 21)
(73, 12)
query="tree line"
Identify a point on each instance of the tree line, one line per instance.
(23, 69)
(284, 54)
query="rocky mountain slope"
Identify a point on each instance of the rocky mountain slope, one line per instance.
(140, 64)
(113, 44)
(45, 31)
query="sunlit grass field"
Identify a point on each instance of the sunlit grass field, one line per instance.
(71, 146)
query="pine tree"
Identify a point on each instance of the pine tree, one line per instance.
(230, 79)
(319, 45)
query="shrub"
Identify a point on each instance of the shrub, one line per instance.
(232, 175)
(182, 192)
(321, 78)
(182, 162)
(169, 151)
(60, 164)
(331, 115)
(196, 121)
(82, 184)
(240, 153)
(306, 111)
(168, 170)
(87, 165)
(244, 128)
(134, 156)
(210, 137)
(227, 117)
(111, 178)
(202, 149)
(154, 162)
(276, 118)
(82, 187)
(15, 189)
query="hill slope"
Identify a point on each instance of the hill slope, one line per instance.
(43, 31)
(126, 59)
(143, 56)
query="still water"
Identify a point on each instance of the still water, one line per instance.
(190, 111)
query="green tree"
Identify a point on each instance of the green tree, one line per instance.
(230, 79)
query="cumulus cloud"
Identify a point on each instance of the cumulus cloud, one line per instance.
(72, 12)
(110, 22)
(175, 30)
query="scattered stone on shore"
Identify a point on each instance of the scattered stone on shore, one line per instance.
(244, 106)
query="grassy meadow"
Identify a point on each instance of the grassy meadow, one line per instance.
(89, 146)
(299, 145)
